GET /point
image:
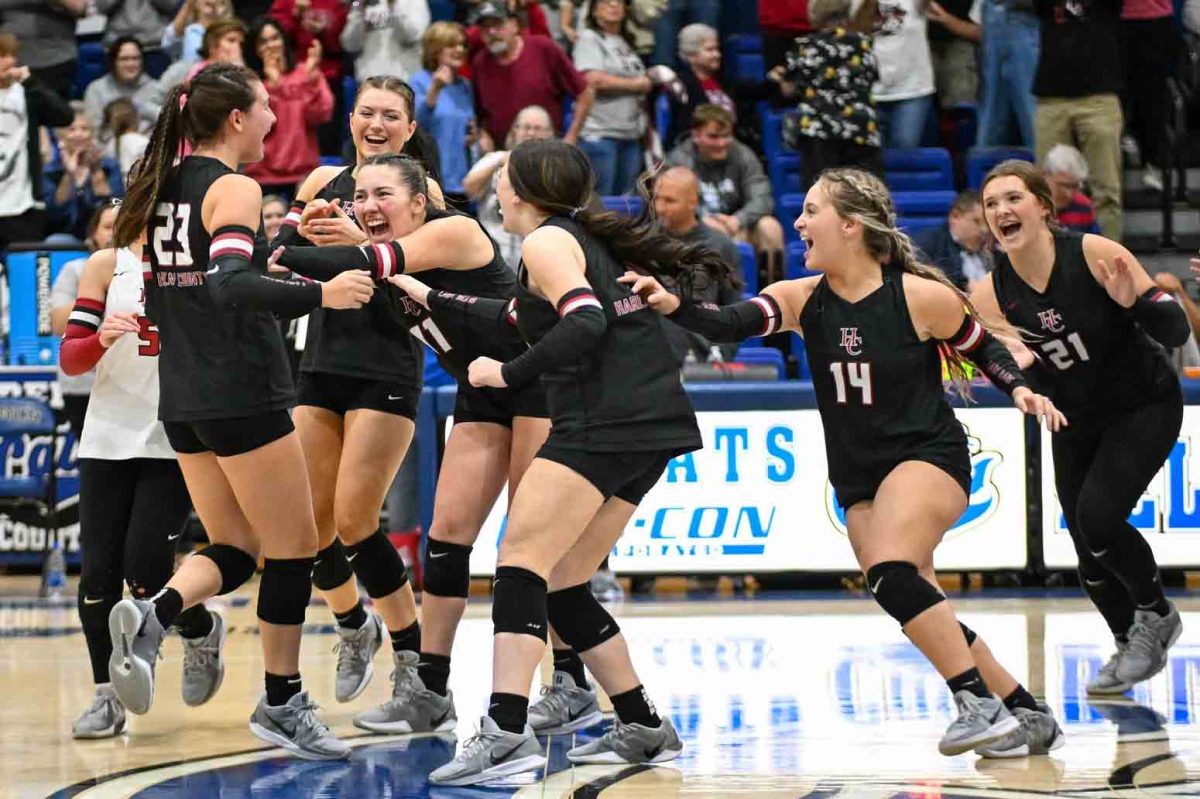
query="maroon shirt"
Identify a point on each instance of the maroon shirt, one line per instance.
(541, 75)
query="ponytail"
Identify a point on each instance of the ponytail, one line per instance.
(151, 171)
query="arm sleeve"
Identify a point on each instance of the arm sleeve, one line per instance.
(987, 352)
(483, 314)
(322, 263)
(289, 231)
(757, 316)
(581, 325)
(81, 349)
(234, 283)
(1162, 318)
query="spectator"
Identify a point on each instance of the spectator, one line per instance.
(1066, 171)
(386, 36)
(1149, 46)
(26, 104)
(80, 179)
(961, 247)
(1189, 354)
(904, 92)
(642, 16)
(1008, 62)
(306, 21)
(835, 122)
(613, 132)
(529, 15)
(122, 141)
(301, 102)
(696, 83)
(274, 210)
(667, 29)
(143, 20)
(47, 30)
(954, 35)
(445, 102)
(125, 78)
(181, 40)
(676, 202)
(223, 42)
(515, 71)
(735, 195)
(1078, 78)
(781, 21)
(533, 122)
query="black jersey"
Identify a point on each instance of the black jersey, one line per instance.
(625, 393)
(213, 363)
(1095, 359)
(358, 342)
(879, 387)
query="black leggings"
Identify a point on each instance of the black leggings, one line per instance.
(130, 513)
(1100, 473)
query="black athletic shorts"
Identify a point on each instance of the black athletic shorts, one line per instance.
(228, 437)
(499, 405)
(865, 488)
(624, 475)
(342, 394)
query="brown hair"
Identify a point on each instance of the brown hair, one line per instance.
(217, 30)
(437, 38)
(9, 43)
(707, 114)
(212, 94)
(390, 83)
(121, 117)
(1032, 177)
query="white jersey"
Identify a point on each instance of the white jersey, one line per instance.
(122, 416)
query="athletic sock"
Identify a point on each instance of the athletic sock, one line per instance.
(195, 622)
(635, 707)
(168, 604)
(569, 662)
(408, 639)
(509, 711)
(970, 680)
(281, 688)
(1020, 698)
(434, 671)
(352, 619)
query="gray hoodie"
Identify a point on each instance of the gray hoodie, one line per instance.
(142, 19)
(736, 186)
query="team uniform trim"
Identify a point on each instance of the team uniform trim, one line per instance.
(576, 300)
(772, 318)
(87, 313)
(969, 336)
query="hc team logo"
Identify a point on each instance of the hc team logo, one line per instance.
(851, 341)
(1051, 320)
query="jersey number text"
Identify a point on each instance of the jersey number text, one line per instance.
(431, 336)
(148, 335)
(170, 239)
(1060, 355)
(859, 375)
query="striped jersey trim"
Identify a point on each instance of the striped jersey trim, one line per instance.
(969, 337)
(385, 261)
(87, 313)
(772, 319)
(576, 301)
(510, 312)
(231, 244)
(293, 215)
(1158, 295)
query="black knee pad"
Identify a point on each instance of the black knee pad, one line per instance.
(968, 633)
(579, 619)
(285, 590)
(519, 602)
(901, 591)
(447, 569)
(378, 565)
(331, 569)
(236, 565)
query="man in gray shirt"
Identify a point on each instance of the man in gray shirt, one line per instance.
(46, 29)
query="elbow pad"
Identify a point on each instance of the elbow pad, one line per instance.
(1162, 318)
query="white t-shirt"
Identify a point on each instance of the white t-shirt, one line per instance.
(902, 51)
(16, 191)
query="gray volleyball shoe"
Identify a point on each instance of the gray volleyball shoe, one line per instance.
(137, 639)
(631, 743)
(564, 707)
(294, 726)
(104, 719)
(1038, 734)
(356, 657)
(412, 707)
(491, 753)
(203, 666)
(980, 721)
(1106, 682)
(1149, 639)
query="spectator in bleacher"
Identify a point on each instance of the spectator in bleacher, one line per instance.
(531, 20)
(1189, 354)
(79, 179)
(612, 135)
(960, 248)
(121, 136)
(26, 104)
(1066, 172)
(677, 14)
(444, 99)
(904, 92)
(1149, 46)
(781, 21)
(274, 210)
(47, 32)
(182, 38)
(384, 36)
(533, 122)
(126, 77)
(642, 14)
(1008, 59)
(1078, 77)
(697, 80)
(514, 71)
(143, 20)
(223, 42)
(301, 102)
(954, 35)
(735, 194)
(306, 21)
(1191, 16)
(833, 70)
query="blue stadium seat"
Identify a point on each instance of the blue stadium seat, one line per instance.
(349, 91)
(919, 169)
(749, 268)
(980, 160)
(787, 208)
(766, 356)
(749, 69)
(90, 65)
(743, 43)
(631, 204)
(913, 224)
(662, 117)
(793, 261)
(801, 356)
(441, 10)
(332, 160)
(784, 170)
(772, 122)
(568, 114)
(923, 203)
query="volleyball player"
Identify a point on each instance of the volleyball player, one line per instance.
(1096, 324)
(225, 390)
(875, 324)
(133, 502)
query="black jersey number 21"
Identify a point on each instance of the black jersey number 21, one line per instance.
(852, 375)
(170, 236)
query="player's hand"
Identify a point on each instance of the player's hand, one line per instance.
(1024, 356)
(273, 266)
(650, 290)
(1169, 282)
(1117, 280)
(348, 290)
(412, 287)
(334, 228)
(1041, 407)
(117, 325)
(485, 373)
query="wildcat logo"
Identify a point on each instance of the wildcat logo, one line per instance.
(1051, 320)
(851, 341)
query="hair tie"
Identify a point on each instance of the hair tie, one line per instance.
(577, 211)
(183, 95)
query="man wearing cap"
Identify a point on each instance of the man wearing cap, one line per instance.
(514, 71)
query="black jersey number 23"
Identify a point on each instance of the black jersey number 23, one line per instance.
(169, 236)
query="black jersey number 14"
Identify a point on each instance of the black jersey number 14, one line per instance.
(170, 235)
(852, 375)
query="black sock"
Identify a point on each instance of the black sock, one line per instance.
(509, 711)
(167, 606)
(970, 680)
(1020, 698)
(281, 688)
(195, 622)
(434, 671)
(408, 639)
(352, 619)
(634, 707)
(1153, 598)
(567, 660)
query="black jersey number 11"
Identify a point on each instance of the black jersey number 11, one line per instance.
(850, 375)
(431, 335)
